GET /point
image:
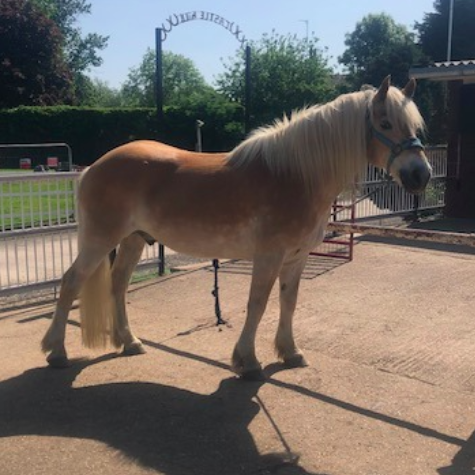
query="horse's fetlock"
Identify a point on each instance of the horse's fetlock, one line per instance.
(237, 361)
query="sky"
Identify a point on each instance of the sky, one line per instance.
(131, 24)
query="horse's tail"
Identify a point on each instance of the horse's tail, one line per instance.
(96, 303)
(97, 309)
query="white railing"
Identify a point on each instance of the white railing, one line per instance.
(386, 199)
(37, 200)
(38, 239)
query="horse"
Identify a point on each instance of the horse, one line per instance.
(268, 200)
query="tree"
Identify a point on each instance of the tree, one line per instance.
(377, 47)
(32, 69)
(286, 73)
(96, 93)
(181, 79)
(433, 30)
(81, 52)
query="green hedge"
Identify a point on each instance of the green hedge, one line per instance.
(91, 132)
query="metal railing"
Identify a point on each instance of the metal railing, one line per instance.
(38, 239)
(388, 198)
(376, 197)
(37, 200)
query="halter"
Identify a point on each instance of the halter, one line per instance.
(396, 148)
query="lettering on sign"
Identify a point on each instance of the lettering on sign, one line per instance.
(179, 18)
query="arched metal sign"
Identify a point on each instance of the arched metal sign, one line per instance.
(180, 18)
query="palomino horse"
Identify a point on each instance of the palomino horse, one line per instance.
(267, 200)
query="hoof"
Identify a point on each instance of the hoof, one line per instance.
(253, 375)
(295, 361)
(133, 349)
(58, 362)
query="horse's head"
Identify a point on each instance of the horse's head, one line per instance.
(394, 146)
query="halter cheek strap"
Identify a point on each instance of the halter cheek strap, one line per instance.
(396, 148)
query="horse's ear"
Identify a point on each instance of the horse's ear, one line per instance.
(410, 88)
(383, 90)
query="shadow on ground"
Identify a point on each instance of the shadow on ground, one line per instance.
(168, 429)
(464, 461)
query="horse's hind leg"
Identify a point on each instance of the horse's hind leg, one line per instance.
(289, 278)
(127, 258)
(264, 273)
(53, 342)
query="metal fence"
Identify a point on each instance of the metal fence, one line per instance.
(32, 201)
(374, 197)
(38, 240)
(388, 198)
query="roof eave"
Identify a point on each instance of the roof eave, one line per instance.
(452, 73)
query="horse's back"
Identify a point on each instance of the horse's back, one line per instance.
(145, 166)
(149, 152)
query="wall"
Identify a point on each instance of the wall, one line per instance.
(460, 197)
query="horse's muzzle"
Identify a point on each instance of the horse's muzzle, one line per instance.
(415, 177)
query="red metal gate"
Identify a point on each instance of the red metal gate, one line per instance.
(336, 244)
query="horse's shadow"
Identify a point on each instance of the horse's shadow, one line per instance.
(172, 430)
(464, 461)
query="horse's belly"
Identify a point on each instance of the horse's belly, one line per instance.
(209, 243)
(232, 236)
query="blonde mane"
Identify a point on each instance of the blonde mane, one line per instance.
(324, 142)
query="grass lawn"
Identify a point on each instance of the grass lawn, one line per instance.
(12, 171)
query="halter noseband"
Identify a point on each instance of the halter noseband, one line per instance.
(396, 148)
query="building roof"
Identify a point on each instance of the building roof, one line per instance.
(446, 71)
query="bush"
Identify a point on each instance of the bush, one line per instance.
(91, 132)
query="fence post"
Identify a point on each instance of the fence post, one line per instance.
(161, 259)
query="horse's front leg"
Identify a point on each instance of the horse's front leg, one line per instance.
(264, 274)
(289, 280)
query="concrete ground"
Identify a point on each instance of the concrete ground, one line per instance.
(390, 389)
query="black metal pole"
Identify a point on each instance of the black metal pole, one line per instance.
(247, 100)
(159, 74)
(215, 293)
(161, 259)
(159, 106)
(416, 208)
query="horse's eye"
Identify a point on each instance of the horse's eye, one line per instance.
(386, 125)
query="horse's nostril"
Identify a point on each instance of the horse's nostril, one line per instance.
(415, 179)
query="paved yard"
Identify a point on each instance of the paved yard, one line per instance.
(390, 389)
